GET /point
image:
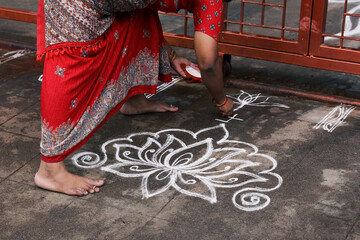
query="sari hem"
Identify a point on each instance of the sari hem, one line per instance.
(133, 91)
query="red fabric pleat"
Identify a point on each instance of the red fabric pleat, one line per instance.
(96, 78)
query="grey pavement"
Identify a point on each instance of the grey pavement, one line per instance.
(282, 168)
(266, 174)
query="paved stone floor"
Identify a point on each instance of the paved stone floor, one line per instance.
(282, 168)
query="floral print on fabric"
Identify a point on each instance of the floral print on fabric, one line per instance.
(164, 67)
(83, 20)
(60, 71)
(207, 17)
(142, 70)
(73, 21)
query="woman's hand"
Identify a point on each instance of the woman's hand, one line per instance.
(178, 64)
(226, 108)
(176, 61)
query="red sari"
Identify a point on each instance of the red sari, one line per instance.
(85, 83)
(87, 79)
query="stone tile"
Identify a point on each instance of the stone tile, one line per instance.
(27, 123)
(320, 195)
(47, 215)
(24, 85)
(282, 219)
(10, 106)
(304, 197)
(19, 86)
(26, 174)
(16, 151)
(94, 221)
(25, 211)
(161, 229)
(355, 232)
(333, 187)
(122, 193)
(126, 194)
(18, 64)
(305, 205)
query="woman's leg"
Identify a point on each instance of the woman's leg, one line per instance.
(207, 55)
(80, 92)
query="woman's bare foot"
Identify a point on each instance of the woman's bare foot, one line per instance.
(139, 104)
(55, 177)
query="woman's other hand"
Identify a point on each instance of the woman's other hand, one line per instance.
(178, 64)
(226, 107)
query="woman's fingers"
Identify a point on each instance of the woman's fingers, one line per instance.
(228, 108)
(176, 64)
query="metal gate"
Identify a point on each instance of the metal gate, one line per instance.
(314, 33)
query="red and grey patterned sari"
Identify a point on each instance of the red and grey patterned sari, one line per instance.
(85, 80)
(99, 53)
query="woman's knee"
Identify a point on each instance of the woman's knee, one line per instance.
(208, 65)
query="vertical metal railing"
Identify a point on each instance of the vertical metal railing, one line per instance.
(306, 47)
(345, 17)
(262, 24)
(334, 45)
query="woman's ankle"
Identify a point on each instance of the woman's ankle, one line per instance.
(51, 169)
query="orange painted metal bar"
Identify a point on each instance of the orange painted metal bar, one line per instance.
(271, 55)
(186, 23)
(179, 40)
(264, 26)
(261, 42)
(177, 14)
(343, 37)
(241, 31)
(263, 12)
(291, 58)
(224, 16)
(352, 15)
(308, 50)
(283, 18)
(18, 15)
(305, 26)
(263, 3)
(345, 54)
(343, 24)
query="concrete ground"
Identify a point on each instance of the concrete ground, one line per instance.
(274, 171)
(281, 168)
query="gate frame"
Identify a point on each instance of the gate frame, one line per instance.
(317, 48)
(304, 52)
(317, 55)
(308, 51)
